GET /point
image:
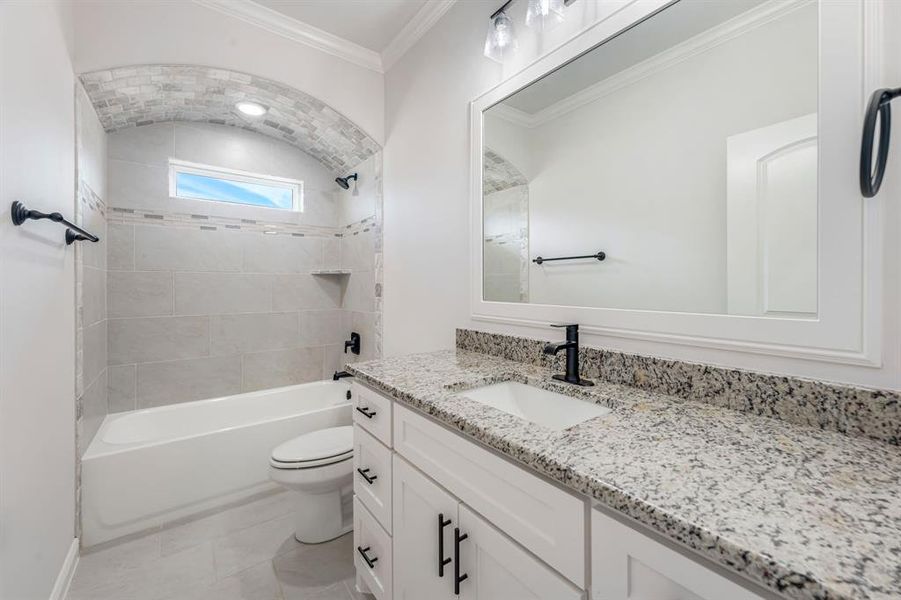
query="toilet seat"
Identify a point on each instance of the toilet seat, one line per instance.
(315, 449)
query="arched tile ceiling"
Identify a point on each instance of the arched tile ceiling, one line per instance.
(499, 173)
(144, 94)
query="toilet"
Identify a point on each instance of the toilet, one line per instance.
(317, 467)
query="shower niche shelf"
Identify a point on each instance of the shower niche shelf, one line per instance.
(331, 272)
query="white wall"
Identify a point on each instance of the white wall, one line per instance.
(629, 174)
(427, 95)
(37, 303)
(111, 33)
(427, 201)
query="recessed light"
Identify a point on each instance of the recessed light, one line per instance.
(251, 109)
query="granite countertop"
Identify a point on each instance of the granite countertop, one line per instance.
(808, 513)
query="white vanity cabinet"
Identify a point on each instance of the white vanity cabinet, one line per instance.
(447, 518)
(442, 549)
(629, 565)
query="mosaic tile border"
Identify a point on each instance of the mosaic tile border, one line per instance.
(875, 414)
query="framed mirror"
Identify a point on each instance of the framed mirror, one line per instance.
(685, 171)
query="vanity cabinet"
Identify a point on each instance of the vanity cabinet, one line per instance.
(444, 550)
(439, 516)
(540, 516)
(372, 476)
(629, 565)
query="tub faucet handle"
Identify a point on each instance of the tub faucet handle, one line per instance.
(353, 343)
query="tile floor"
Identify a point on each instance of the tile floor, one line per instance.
(246, 552)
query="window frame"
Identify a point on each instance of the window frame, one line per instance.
(177, 166)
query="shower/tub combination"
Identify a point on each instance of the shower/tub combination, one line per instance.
(153, 466)
(236, 258)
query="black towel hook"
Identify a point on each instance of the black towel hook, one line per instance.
(74, 233)
(879, 109)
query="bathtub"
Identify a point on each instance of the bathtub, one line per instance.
(149, 467)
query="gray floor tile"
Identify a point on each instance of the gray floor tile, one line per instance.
(246, 552)
(253, 545)
(255, 583)
(314, 569)
(181, 575)
(180, 535)
(352, 590)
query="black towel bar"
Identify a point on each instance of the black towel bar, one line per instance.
(598, 256)
(74, 233)
(879, 109)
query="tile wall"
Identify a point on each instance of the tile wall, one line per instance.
(204, 301)
(91, 386)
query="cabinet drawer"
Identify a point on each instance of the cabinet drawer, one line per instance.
(545, 519)
(372, 476)
(373, 542)
(629, 565)
(372, 412)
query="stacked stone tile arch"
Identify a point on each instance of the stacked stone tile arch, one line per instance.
(499, 173)
(143, 94)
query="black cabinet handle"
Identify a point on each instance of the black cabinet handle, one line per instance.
(458, 579)
(364, 410)
(442, 562)
(369, 561)
(369, 478)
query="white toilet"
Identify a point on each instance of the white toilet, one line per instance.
(318, 467)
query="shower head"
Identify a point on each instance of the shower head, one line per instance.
(344, 182)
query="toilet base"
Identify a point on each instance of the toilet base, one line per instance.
(324, 516)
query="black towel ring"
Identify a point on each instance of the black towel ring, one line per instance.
(879, 109)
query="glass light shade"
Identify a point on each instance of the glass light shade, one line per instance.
(544, 14)
(501, 40)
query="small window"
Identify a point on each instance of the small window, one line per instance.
(217, 184)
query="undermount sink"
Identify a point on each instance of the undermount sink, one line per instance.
(549, 409)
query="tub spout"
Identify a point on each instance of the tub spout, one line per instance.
(340, 374)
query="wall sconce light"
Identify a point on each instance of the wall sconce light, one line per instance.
(501, 38)
(541, 15)
(544, 14)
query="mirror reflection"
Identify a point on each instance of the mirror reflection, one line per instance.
(684, 149)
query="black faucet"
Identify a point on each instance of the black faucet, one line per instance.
(340, 375)
(572, 356)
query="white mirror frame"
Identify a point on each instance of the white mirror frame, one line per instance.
(848, 326)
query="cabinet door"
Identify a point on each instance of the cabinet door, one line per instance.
(418, 505)
(497, 568)
(628, 565)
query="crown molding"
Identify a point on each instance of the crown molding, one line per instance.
(413, 31)
(298, 31)
(513, 115)
(703, 42)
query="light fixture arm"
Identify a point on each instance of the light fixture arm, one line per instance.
(501, 9)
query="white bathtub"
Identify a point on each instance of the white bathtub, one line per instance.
(148, 467)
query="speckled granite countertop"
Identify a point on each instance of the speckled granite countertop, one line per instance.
(808, 513)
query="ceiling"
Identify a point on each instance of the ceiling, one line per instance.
(369, 23)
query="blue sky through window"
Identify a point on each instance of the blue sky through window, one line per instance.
(204, 187)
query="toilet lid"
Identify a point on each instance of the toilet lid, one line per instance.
(317, 448)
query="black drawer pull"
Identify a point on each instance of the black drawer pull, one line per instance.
(458, 579)
(442, 562)
(364, 410)
(369, 561)
(369, 478)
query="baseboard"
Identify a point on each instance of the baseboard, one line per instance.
(66, 573)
